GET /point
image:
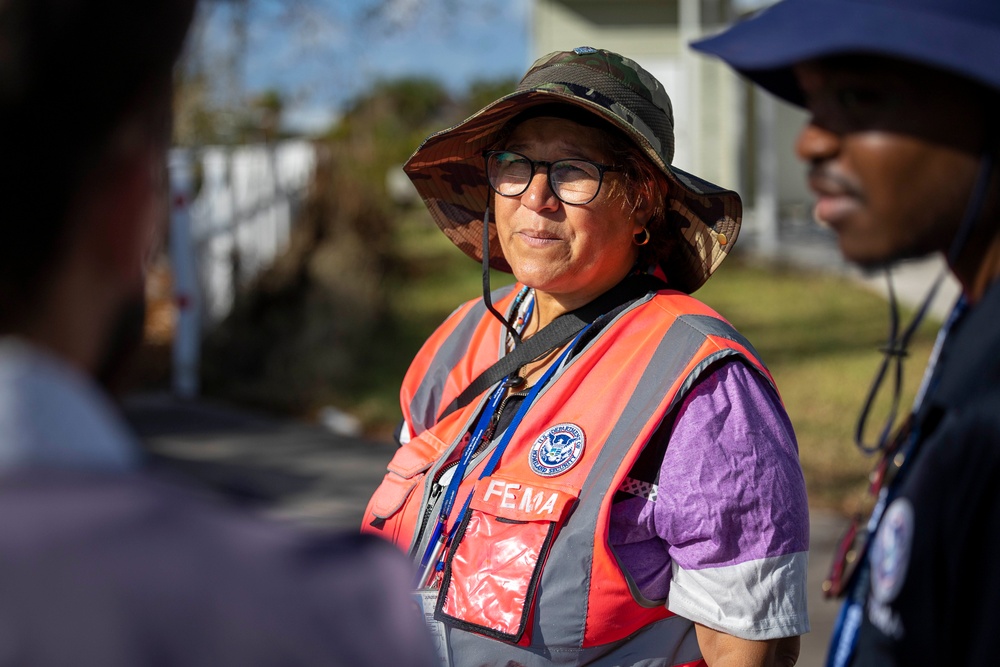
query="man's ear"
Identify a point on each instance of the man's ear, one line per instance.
(121, 208)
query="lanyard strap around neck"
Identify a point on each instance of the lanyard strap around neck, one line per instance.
(556, 334)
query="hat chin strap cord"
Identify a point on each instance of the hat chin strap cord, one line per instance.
(896, 347)
(486, 279)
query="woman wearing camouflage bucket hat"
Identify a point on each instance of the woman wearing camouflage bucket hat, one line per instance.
(595, 468)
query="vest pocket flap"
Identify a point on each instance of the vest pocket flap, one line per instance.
(391, 494)
(407, 469)
(417, 455)
(494, 564)
(518, 501)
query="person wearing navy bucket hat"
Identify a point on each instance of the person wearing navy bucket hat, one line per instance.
(595, 468)
(902, 148)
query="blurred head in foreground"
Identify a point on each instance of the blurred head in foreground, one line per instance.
(85, 103)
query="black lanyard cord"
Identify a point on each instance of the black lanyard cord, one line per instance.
(486, 280)
(894, 351)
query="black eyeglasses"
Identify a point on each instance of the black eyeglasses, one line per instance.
(572, 181)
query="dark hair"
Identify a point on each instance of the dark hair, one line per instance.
(71, 71)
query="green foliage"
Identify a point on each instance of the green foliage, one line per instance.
(400, 113)
(482, 93)
(431, 279)
(265, 115)
(413, 103)
(319, 325)
(389, 121)
(200, 120)
(304, 327)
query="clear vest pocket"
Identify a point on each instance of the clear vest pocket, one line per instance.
(496, 557)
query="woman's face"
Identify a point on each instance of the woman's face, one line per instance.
(572, 252)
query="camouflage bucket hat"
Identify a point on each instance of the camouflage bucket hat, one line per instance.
(449, 173)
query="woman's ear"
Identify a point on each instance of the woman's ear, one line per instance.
(645, 202)
(643, 210)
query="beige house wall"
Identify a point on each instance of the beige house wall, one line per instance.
(795, 198)
(638, 28)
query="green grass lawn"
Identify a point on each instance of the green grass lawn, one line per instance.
(818, 334)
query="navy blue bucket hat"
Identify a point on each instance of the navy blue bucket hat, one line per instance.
(957, 36)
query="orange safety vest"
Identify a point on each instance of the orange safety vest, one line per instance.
(530, 578)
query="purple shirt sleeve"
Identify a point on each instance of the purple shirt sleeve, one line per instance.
(730, 489)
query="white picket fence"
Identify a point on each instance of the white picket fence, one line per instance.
(226, 233)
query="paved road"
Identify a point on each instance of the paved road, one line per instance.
(304, 473)
(279, 467)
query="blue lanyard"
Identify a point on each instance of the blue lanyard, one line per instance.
(494, 461)
(439, 540)
(447, 504)
(436, 543)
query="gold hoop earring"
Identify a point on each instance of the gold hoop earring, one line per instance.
(642, 238)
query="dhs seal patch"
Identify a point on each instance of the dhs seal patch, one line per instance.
(890, 554)
(556, 450)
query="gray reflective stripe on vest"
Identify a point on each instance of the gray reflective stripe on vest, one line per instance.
(564, 588)
(712, 326)
(427, 399)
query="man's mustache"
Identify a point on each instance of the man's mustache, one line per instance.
(826, 180)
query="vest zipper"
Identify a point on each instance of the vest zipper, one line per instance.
(437, 489)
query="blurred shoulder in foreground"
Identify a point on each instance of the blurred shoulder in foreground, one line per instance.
(100, 563)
